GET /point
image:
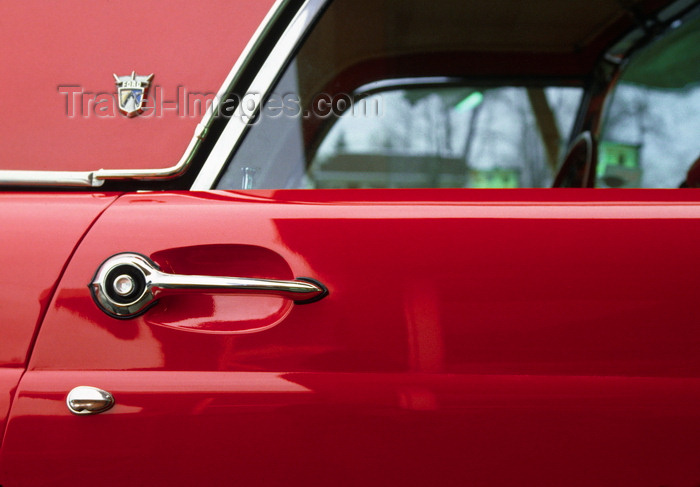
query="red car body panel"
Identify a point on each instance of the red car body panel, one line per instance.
(9, 378)
(470, 337)
(412, 428)
(32, 258)
(189, 48)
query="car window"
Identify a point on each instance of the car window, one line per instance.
(650, 130)
(357, 109)
(461, 136)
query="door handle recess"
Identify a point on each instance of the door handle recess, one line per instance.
(127, 284)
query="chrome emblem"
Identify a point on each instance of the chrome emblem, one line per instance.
(131, 91)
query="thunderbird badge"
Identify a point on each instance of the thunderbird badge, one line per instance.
(132, 91)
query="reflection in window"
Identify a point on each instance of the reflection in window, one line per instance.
(438, 137)
(444, 137)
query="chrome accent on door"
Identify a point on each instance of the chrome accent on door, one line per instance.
(262, 85)
(126, 285)
(85, 400)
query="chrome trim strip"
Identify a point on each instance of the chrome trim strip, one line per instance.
(396, 83)
(262, 84)
(49, 178)
(96, 178)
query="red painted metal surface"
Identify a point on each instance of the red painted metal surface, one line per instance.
(59, 60)
(38, 233)
(501, 337)
(274, 429)
(9, 378)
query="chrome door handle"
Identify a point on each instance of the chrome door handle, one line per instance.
(126, 285)
(89, 400)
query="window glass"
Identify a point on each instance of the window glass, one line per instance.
(381, 105)
(650, 132)
(442, 137)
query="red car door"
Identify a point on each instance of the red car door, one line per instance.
(468, 338)
(30, 267)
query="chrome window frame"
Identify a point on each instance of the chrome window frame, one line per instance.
(262, 85)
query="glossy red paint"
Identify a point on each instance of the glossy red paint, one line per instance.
(221, 314)
(274, 429)
(38, 234)
(9, 378)
(503, 337)
(56, 51)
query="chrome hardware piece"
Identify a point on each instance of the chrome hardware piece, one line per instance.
(124, 285)
(131, 92)
(248, 178)
(127, 284)
(89, 400)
